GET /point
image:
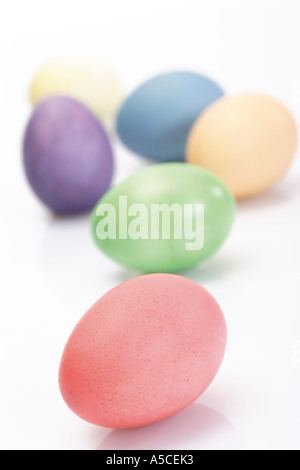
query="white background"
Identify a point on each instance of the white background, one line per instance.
(51, 272)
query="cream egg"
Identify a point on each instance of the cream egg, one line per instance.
(95, 84)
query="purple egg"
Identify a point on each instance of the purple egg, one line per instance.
(67, 155)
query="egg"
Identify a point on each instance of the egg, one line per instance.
(164, 218)
(155, 119)
(248, 140)
(144, 351)
(67, 155)
(95, 84)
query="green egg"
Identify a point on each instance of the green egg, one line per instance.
(166, 217)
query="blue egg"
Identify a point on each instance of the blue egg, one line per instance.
(155, 120)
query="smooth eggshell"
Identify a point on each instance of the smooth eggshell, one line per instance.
(67, 155)
(145, 350)
(95, 84)
(167, 184)
(248, 141)
(155, 119)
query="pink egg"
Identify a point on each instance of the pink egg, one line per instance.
(144, 351)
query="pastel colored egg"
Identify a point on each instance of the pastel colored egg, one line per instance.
(96, 85)
(155, 119)
(144, 351)
(249, 141)
(164, 218)
(67, 155)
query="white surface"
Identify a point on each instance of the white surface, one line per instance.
(51, 272)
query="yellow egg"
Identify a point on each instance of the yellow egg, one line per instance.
(95, 84)
(248, 141)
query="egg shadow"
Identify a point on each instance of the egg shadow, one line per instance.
(217, 267)
(195, 427)
(279, 195)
